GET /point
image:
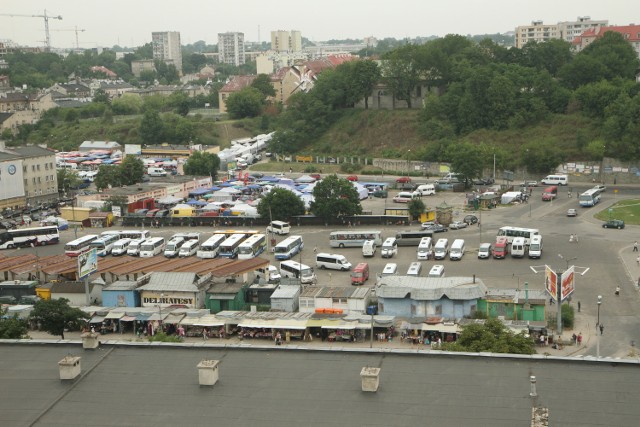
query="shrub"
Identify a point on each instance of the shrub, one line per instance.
(162, 337)
(310, 169)
(349, 168)
(568, 316)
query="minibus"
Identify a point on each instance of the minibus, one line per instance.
(369, 248)
(425, 248)
(189, 248)
(555, 180)
(332, 262)
(518, 247)
(120, 247)
(457, 250)
(535, 248)
(485, 251)
(151, 247)
(279, 227)
(360, 274)
(501, 248)
(441, 249)
(173, 246)
(299, 271)
(134, 247)
(414, 269)
(550, 193)
(437, 271)
(389, 248)
(390, 269)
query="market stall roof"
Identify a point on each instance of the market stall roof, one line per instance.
(291, 324)
(209, 320)
(173, 319)
(169, 200)
(128, 318)
(257, 323)
(114, 315)
(97, 319)
(441, 327)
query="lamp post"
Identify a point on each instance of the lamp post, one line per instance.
(408, 154)
(598, 338)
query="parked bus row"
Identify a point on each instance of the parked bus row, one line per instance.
(26, 237)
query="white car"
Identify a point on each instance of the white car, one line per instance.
(456, 225)
(572, 212)
(274, 274)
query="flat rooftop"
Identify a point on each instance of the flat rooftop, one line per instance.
(279, 386)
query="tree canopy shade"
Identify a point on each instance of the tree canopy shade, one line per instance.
(280, 204)
(131, 170)
(11, 327)
(67, 179)
(151, 127)
(55, 315)
(492, 337)
(246, 103)
(335, 197)
(203, 164)
(263, 83)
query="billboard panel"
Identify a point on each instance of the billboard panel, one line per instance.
(11, 180)
(550, 282)
(87, 263)
(567, 286)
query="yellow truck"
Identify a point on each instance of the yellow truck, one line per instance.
(304, 159)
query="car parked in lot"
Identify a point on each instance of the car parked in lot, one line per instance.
(614, 223)
(457, 225)
(483, 181)
(436, 228)
(353, 178)
(470, 219)
(529, 184)
(403, 180)
(600, 187)
(572, 212)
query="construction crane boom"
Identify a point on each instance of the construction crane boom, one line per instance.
(46, 24)
(73, 29)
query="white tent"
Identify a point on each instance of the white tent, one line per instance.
(305, 179)
(510, 196)
(363, 193)
(169, 200)
(244, 209)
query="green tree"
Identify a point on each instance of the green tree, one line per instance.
(416, 208)
(280, 204)
(622, 127)
(11, 327)
(101, 96)
(492, 336)
(334, 198)
(616, 54)
(55, 316)
(263, 83)
(401, 72)
(365, 75)
(108, 176)
(127, 104)
(202, 163)
(151, 128)
(67, 179)
(246, 103)
(131, 170)
(543, 156)
(179, 101)
(464, 158)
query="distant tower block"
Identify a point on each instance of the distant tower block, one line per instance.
(69, 367)
(370, 379)
(208, 372)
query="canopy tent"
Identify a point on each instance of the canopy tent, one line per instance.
(209, 320)
(173, 319)
(363, 193)
(169, 200)
(198, 192)
(305, 179)
(194, 202)
(300, 325)
(244, 209)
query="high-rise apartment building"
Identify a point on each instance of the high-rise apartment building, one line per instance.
(166, 48)
(567, 31)
(571, 29)
(285, 41)
(231, 48)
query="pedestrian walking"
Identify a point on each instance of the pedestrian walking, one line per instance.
(315, 249)
(205, 336)
(617, 291)
(601, 328)
(578, 306)
(635, 246)
(580, 338)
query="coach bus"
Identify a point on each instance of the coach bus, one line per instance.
(24, 237)
(252, 247)
(211, 247)
(104, 244)
(412, 238)
(354, 238)
(512, 232)
(80, 245)
(289, 247)
(229, 248)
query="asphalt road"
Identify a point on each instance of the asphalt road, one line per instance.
(598, 252)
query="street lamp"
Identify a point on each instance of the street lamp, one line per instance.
(408, 154)
(599, 304)
(597, 337)
(567, 260)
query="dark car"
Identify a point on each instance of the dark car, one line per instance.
(614, 223)
(315, 176)
(470, 219)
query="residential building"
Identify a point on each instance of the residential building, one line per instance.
(15, 119)
(235, 84)
(285, 41)
(571, 29)
(104, 70)
(231, 48)
(537, 31)
(137, 67)
(167, 48)
(349, 300)
(11, 181)
(39, 174)
(15, 101)
(4, 83)
(73, 90)
(631, 34)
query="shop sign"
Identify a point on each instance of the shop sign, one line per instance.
(155, 299)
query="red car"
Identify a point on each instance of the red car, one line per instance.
(315, 176)
(403, 180)
(352, 178)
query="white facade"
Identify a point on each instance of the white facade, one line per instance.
(567, 31)
(166, 48)
(231, 48)
(571, 29)
(285, 41)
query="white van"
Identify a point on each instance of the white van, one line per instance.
(369, 248)
(189, 248)
(518, 247)
(390, 269)
(156, 172)
(437, 271)
(441, 249)
(332, 261)
(173, 247)
(389, 248)
(120, 247)
(457, 250)
(414, 269)
(425, 190)
(134, 247)
(555, 180)
(151, 247)
(404, 197)
(279, 227)
(535, 247)
(485, 251)
(425, 248)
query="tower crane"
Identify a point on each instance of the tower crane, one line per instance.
(46, 24)
(73, 29)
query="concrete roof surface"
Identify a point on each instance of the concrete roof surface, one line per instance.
(158, 386)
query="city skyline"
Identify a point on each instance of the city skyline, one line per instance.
(130, 24)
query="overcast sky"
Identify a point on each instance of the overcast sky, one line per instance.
(130, 22)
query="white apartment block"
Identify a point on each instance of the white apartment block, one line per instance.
(167, 48)
(567, 31)
(285, 41)
(231, 48)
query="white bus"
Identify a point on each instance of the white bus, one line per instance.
(128, 234)
(289, 247)
(24, 237)
(252, 247)
(134, 247)
(279, 227)
(189, 248)
(298, 271)
(104, 244)
(589, 198)
(152, 247)
(512, 232)
(210, 248)
(412, 238)
(80, 245)
(354, 238)
(229, 248)
(120, 247)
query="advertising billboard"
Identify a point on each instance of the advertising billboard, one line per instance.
(11, 180)
(567, 286)
(551, 282)
(87, 263)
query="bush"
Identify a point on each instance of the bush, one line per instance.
(349, 168)
(310, 169)
(162, 337)
(568, 316)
